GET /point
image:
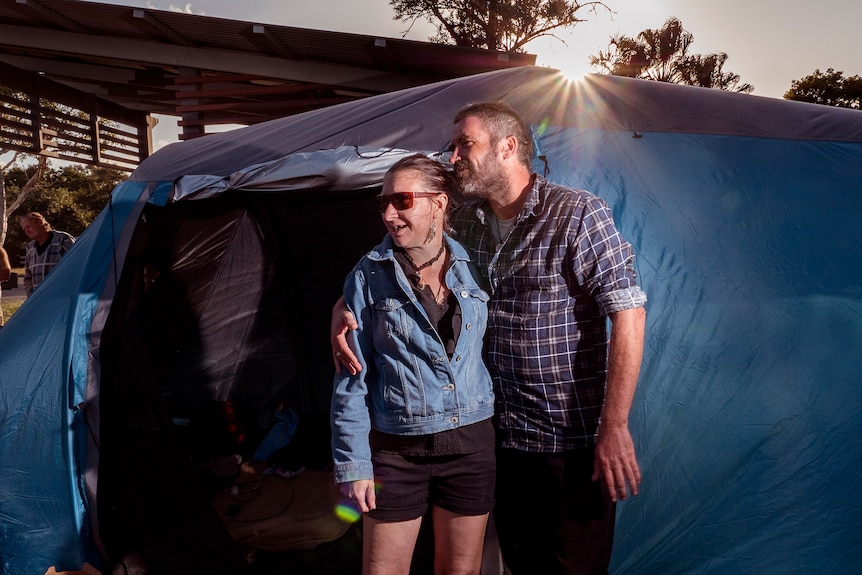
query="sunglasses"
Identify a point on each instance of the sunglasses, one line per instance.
(401, 200)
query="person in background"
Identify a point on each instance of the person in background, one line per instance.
(5, 274)
(412, 429)
(44, 250)
(558, 269)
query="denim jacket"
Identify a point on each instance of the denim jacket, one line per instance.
(408, 385)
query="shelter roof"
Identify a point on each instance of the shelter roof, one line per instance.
(218, 71)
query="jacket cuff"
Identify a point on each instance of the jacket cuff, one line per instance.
(353, 471)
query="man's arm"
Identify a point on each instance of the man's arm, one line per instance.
(343, 321)
(615, 462)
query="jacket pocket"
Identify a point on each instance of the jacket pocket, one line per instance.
(399, 374)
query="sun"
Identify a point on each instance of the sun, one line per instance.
(574, 66)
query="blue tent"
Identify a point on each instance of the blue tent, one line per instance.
(744, 214)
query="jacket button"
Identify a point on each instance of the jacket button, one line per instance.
(464, 294)
(454, 420)
(449, 387)
(458, 358)
(469, 325)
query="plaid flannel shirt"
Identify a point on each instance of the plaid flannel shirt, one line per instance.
(37, 266)
(561, 270)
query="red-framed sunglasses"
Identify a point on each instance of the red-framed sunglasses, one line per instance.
(401, 200)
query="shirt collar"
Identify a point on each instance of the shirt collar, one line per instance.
(531, 207)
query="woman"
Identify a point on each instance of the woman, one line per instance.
(412, 429)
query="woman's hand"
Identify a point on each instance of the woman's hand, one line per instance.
(361, 492)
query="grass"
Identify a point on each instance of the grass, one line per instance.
(9, 307)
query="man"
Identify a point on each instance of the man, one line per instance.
(557, 268)
(44, 250)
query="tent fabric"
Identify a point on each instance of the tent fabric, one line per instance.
(339, 169)
(743, 212)
(542, 96)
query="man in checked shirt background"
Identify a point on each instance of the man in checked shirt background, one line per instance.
(557, 268)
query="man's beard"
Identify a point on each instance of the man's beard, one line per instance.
(471, 183)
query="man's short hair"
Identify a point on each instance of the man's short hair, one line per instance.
(502, 121)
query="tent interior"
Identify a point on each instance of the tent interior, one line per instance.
(221, 319)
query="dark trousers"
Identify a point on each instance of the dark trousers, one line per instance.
(551, 517)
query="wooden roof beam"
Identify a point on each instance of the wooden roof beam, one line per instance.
(382, 54)
(50, 15)
(237, 91)
(261, 37)
(275, 104)
(151, 26)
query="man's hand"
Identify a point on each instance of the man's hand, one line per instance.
(361, 492)
(342, 322)
(615, 461)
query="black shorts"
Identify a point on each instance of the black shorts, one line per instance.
(408, 485)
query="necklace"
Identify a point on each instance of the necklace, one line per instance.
(422, 283)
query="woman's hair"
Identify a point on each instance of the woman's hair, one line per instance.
(36, 216)
(435, 176)
(501, 121)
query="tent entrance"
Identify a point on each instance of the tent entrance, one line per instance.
(223, 303)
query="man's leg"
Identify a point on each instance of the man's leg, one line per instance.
(551, 517)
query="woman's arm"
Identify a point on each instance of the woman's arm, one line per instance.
(5, 266)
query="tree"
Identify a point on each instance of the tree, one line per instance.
(830, 88)
(504, 25)
(70, 197)
(22, 191)
(663, 55)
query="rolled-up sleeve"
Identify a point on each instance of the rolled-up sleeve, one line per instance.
(619, 300)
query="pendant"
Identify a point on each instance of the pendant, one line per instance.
(421, 283)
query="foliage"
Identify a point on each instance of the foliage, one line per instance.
(70, 198)
(830, 88)
(23, 190)
(504, 25)
(663, 55)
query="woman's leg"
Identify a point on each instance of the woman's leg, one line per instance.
(387, 546)
(458, 542)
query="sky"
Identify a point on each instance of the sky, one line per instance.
(769, 43)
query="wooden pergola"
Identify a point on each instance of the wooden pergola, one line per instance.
(81, 80)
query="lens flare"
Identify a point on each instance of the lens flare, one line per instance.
(347, 513)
